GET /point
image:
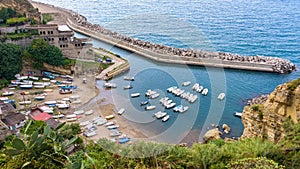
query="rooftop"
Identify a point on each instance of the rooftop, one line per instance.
(64, 28)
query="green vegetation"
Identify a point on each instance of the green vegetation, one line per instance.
(47, 18)
(293, 84)
(10, 60)
(16, 21)
(41, 51)
(6, 13)
(46, 148)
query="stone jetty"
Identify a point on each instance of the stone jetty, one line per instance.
(170, 54)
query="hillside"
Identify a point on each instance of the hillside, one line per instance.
(266, 120)
(21, 6)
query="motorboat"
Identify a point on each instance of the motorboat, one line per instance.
(48, 90)
(171, 105)
(160, 114)
(8, 93)
(130, 78)
(77, 101)
(110, 85)
(68, 91)
(71, 119)
(63, 106)
(26, 86)
(71, 116)
(74, 96)
(112, 127)
(50, 102)
(115, 134)
(187, 83)
(90, 133)
(144, 102)
(89, 112)
(152, 107)
(78, 112)
(154, 96)
(128, 87)
(84, 123)
(109, 123)
(166, 118)
(150, 92)
(183, 109)
(135, 94)
(25, 102)
(108, 117)
(221, 96)
(39, 86)
(171, 89)
(58, 116)
(39, 98)
(121, 111)
(237, 114)
(204, 92)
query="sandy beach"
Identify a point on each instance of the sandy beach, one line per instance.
(89, 91)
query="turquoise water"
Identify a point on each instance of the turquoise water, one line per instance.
(259, 27)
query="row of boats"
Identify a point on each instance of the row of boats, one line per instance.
(181, 93)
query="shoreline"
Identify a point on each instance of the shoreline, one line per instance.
(169, 54)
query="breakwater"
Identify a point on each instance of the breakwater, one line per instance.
(169, 54)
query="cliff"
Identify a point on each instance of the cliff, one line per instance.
(21, 6)
(266, 120)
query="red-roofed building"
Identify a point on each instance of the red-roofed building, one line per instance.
(42, 116)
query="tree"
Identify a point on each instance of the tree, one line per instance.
(41, 51)
(10, 60)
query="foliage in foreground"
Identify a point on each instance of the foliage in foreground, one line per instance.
(248, 153)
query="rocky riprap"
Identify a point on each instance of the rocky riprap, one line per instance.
(279, 65)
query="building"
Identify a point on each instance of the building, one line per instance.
(62, 37)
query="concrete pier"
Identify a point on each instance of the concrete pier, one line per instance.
(169, 54)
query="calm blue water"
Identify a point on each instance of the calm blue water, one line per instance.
(257, 27)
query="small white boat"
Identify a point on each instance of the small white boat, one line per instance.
(78, 112)
(49, 111)
(150, 92)
(121, 111)
(144, 102)
(58, 116)
(89, 112)
(128, 87)
(90, 134)
(50, 102)
(48, 90)
(25, 102)
(74, 96)
(171, 89)
(115, 134)
(109, 123)
(26, 86)
(153, 96)
(66, 99)
(45, 79)
(110, 85)
(160, 114)
(33, 78)
(183, 109)
(100, 122)
(3, 98)
(71, 119)
(221, 96)
(186, 83)
(150, 107)
(84, 123)
(112, 127)
(204, 92)
(135, 94)
(238, 114)
(171, 105)
(166, 118)
(39, 98)
(63, 106)
(8, 93)
(71, 116)
(130, 78)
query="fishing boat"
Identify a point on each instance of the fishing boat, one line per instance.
(61, 91)
(39, 98)
(71, 116)
(8, 93)
(160, 114)
(135, 94)
(26, 86)
(89, 112)
(221, 96)
(71, 119)
(237, 114)
(50, 102)
(130, 78)
(187, 83)
(85, 123)
(144, 102)
(121, 111)
(128, 87)
(166, 118)
(109, 123)
(90, 133)
(25, 102)
(150, 107)
(115, 134)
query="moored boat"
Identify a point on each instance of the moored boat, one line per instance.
(8, 93)
(25, 102)
(112, 127)
(39, 98)
(204, 92)
(152, 107)
(135, 94)
(160, 114)
(108, 117)
(78, 112)
(26, 86)
(144, 102)
(121, 111)
(58, 116)
(153, 96)
(237, 114)
(89, 112)
(187, 83)
(110, 85)
(130, 78)
(166, 118)
(221, 96)
(128, 87)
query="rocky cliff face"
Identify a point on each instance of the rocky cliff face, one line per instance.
(266, 120)
(21, 6)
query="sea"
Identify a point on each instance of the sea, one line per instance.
(245, 27)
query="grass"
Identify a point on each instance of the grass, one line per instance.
(47, 18)
(293, 84)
